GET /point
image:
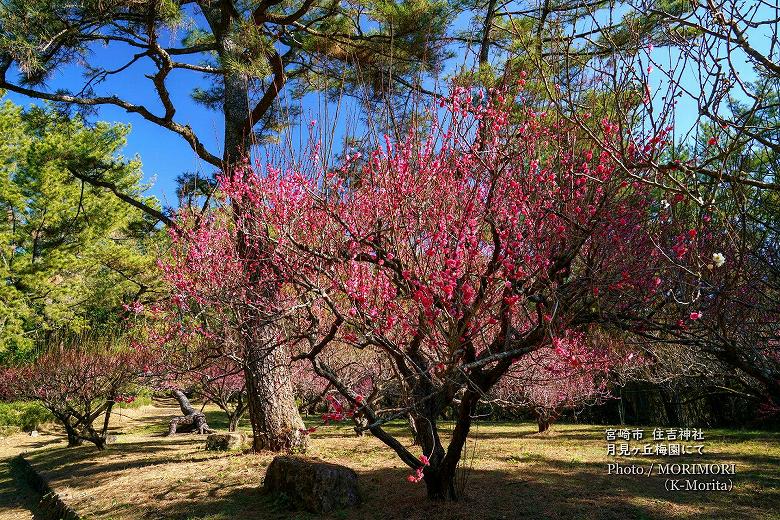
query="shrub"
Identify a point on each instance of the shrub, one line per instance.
(24, 415)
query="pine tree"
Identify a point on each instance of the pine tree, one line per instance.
(239, 56)
(70, 253)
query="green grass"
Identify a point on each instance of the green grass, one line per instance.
(19, 416)
(23, 415)
(143, 397)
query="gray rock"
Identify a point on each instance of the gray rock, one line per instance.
(312, 484)
(34, 433)
(112, 438)
(224, 441)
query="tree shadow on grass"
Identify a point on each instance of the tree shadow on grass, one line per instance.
(88, 461)
(522, 430)
(49, 440)
(545, 489)
(388, 496)
(16, 494)
(760, 473)
(340, 431)
(534, 486)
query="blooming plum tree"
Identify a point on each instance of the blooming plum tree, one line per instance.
(721, 271)
(365, 373)
(224, 288)
(222, 382)
(569, 375)
(452, 255)
(195, 362)
(310, 389)
(78, 387)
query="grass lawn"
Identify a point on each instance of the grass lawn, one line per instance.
(512, 473)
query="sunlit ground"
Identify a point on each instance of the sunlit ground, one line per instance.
(509, 472)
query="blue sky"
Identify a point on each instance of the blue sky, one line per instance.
(166, 155)
(163, 153)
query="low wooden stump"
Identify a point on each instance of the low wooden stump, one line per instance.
(312, 484)
(224, 441)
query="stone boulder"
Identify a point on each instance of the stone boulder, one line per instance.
(224, 441)
(312, 484)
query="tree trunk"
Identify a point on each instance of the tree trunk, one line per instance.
(543, 423)
(184, 403)
(484, 47)
(233, 422)
(106, 420)
(440, 484)
(413, 429)
(273, 412)
(276, 423)
(360, 425)
(439, 475)
(73, 437)
(669, 401)
(191, 421)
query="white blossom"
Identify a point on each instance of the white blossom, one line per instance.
(718, 259)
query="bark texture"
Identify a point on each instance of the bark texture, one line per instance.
(233, 420)
(276, 423)
(315, 485)
(191, 421)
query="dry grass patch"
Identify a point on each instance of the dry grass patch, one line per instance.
(512, 473)
(18, 501)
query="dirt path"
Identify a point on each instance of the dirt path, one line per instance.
(17, 500)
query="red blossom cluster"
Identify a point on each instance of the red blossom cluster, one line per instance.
(418, 475)
(455, 255)
(336, 411)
